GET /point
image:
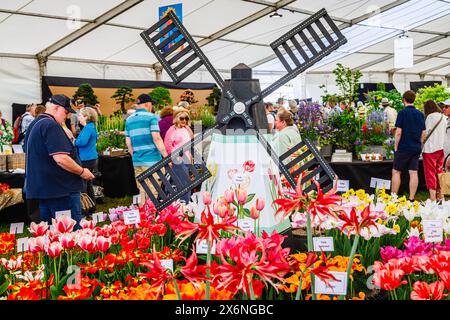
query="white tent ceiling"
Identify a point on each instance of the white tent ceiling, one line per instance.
(81, 35)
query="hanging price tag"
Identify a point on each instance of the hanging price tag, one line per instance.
(131, 217)
(343, 185)
(98, 217)
(202, 247)
(16, 228)
(246, 225)
(323, 244)
(380, 183)
(167, 263)
(60, 214)
(334, 287)
(136, 199)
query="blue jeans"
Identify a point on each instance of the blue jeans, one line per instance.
(48, 207)
(182, 172)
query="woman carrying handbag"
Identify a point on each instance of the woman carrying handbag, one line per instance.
(433, 147)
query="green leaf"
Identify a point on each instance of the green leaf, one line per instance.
(4, 287)
(247, 212)
(234, 203)
(250, 197)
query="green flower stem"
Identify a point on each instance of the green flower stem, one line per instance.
(299, 289)
(250, 286)
(208, 271)
(350, 260)
(310, 248)
(177, 289)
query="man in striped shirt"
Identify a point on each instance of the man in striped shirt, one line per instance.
(143, 140)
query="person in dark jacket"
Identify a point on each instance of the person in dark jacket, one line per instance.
(166, 121)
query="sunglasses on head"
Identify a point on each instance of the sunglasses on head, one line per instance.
(184, 118)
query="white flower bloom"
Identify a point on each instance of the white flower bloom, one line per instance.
(413, 232)
(409, 214)
(446, 226)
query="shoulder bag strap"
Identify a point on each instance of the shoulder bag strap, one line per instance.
(432, 130)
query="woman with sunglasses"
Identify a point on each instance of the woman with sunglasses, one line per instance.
(177, 135)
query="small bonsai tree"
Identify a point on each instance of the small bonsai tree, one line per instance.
(214, 98)
(188, 95)
(86, 93)
(161, 96)
(123, 95)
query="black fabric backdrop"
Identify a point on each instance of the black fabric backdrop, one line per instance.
(366, 87)
(117, 176)
(415, 86)
(359, 173)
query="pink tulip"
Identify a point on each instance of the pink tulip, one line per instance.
(229, 196)
(254, 213)
(87, 224)
(64, 224)
(260, 204)
(103, 244)
(231, 211)
(68, 241)
(37, 244)
(207, 198)
(38, 230)
(241, 195)
(222, 211)
(249, 166)
(87, 243)
(54, 249)
(216, 207)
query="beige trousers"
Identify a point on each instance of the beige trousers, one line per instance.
(144, 197)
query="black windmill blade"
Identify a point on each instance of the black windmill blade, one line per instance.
(304, 157)
(303, 51)
(174, 62)
(171, 187)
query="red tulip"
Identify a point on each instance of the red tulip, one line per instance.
(103, 244)
(207, 198)
(229, 195)
(38, 229)
(64, 224)
(54, 249)
(249, 166)
(254, 214)
(260, 204)
(68, 241)
(389, 279)
(241, 196)
(425, 291)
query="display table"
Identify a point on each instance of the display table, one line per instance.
(360, 173)
(117, 176)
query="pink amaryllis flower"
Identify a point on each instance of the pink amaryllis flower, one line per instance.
(206, 227)
(63, 224)
(87, 224)
(54, 249)
(103, 243)
(425, 291)
(38, 230)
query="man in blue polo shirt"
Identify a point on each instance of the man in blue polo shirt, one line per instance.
(409, 136)
(143, 140)
(53, 169)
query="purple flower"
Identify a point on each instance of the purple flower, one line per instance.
(389, 253)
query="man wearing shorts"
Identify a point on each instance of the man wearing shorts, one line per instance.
(409, 137)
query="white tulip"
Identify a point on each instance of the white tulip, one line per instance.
(409, 214)
(413, 232)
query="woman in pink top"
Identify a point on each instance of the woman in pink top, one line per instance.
(177, 135)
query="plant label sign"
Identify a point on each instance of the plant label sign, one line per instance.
(246, 225)
(98, 217)
(22, 245)
(323, 244)
(16, 228)
(131, 217)
(433, 230)
(136, 199)
(61, 214)
(343, 185)
(377, 183)
(335, 287)
(202, 247)
(167, 263)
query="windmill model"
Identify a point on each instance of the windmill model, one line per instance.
(241, 107)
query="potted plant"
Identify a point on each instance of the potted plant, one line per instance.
(326, 139)
(388, 146)
(375, 131)
(86, 93)
(360, 147)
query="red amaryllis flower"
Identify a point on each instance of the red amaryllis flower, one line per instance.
(321, 271)
(192, 271)
(249, 166)
(389, 279)
(207, 229)
(445, 277)
(353, 223)
(323, 203)
(425, 291)
(292, 201)
(158, 275)
(38, 230)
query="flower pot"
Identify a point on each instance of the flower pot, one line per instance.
(376, 149)
(326, 150)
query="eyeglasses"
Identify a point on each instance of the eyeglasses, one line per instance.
(184, 118)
